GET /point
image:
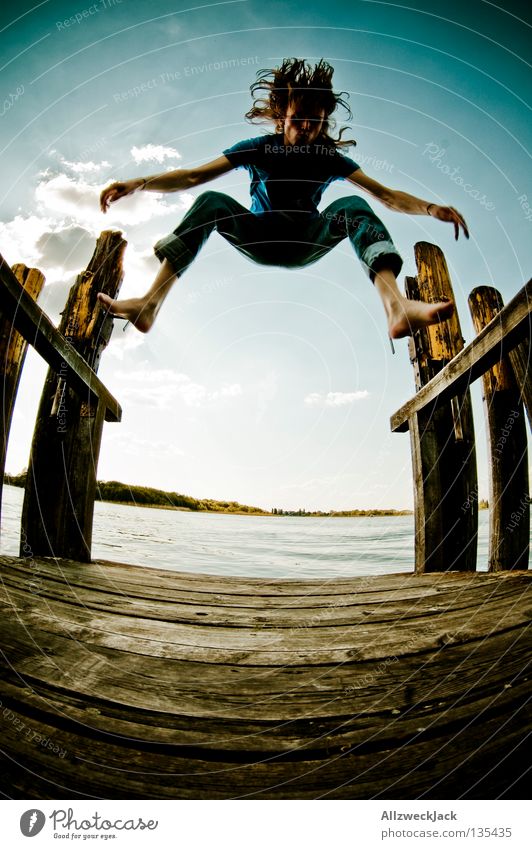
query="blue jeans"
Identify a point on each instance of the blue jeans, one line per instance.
(289, 239)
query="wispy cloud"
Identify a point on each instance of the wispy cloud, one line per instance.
(161, 387)
(79, 201)
(335, 399)
(81, 167)
(154, 153)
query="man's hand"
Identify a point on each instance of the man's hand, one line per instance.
(449, 213)
(118, 190)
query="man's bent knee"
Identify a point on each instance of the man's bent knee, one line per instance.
(347, 207)
(213, 198)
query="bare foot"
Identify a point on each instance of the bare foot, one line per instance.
(405, 316)
(140, 312)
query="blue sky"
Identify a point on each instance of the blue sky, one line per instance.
(259, 384)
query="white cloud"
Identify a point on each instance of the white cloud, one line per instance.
(335, 399)
(66, 247)
(19, 238)
(122, 343)
(160, 387)
(80, 201)
(86, 167)
(80, 167)
(58, 236)
(46, 243)
(154, 153)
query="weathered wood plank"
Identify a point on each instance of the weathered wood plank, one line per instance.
(424, 759)
(12, 355)
(251, 739)
(384, 723)
(509, 499)
(508, 329)
(307, 612)
(35, 326)
(262, 646)
(99, 701)
(155, 691)
(127, 576)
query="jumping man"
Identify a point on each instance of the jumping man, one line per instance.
(289, 171)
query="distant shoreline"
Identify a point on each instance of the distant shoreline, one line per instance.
(359, 514)
(115, 492)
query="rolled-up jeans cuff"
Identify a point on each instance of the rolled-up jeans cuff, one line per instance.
(381, 255)
(175, 251)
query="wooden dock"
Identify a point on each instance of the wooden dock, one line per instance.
(127, 682)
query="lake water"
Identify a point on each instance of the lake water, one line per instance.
(257, 546)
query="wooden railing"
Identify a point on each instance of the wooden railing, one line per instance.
(61, 479)
(439, 418)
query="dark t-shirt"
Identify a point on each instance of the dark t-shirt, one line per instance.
(288, 178)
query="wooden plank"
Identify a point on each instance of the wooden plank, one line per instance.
(132, 581)
(258, 646)
(58, 507)
(12, 355)
(137, 581)
(509, 498)
(144, 582)
(218, 611)
(95, 760)
(508, 329)
(193, 687)
(387, 718)
(105, 702)
(128, 576)
(35, 326)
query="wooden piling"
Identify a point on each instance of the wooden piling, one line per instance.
(442, 439)
(507, 440)
(521, 362)
(61, 482)
(12, 355)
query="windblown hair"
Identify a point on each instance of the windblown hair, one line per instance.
(296, 83)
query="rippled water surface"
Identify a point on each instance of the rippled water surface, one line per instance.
(260, 546)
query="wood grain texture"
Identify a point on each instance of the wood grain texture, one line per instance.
(13, 348)
(509, 497)
(125, 682)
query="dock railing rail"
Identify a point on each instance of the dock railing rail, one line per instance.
(439, 418)
(60, 489)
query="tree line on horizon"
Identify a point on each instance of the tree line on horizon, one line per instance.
(147, 496)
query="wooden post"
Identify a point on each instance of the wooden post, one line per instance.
(521, 361)
(508, 483)
(12, 355)
(443, 439)
(59, 500)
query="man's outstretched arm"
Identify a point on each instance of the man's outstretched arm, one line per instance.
(169, 181)
(403, 202)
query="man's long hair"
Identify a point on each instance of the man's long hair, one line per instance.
(296, 83)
